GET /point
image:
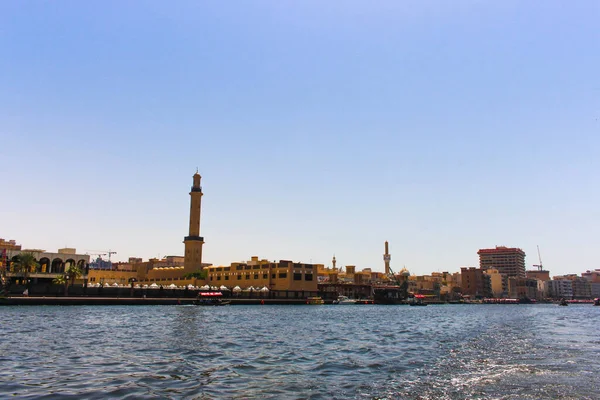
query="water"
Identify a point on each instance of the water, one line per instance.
(301, 352)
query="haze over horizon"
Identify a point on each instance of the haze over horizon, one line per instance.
(318, 129)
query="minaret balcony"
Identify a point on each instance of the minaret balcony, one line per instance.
(197, 189)
(193, 238)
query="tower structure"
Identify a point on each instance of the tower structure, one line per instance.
(386, 259)
(193, 242)
(509, 261)
(333, 262)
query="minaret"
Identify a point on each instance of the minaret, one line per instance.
(386, 258)
(333, 262)
(194, 242)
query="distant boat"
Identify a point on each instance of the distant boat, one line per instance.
(597, 301)
(315, 300)
(344, 300)
(563, 302)
(418, 301)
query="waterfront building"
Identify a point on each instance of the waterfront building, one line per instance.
(284, 278)
(595, 289)
(560, 288)
(582, 289)
(509, 261)
(475, 283)
(50, 265)
(523, 288)
(498, 283)
(580, 286)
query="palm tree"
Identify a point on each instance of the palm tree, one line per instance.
(73, 271)
(62, 280)
(24, 264)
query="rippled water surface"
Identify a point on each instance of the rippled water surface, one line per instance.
(301, 352)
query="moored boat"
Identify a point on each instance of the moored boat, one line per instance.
(315, 300)
(344, 300)
(211, 299)
(597, 301)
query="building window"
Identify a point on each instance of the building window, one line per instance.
(283, 275)
(308, 277)
(239, 267)
(247, 276)
(239, 277)
(297, 276)
(265, 276)
(226, 278)
(218, 278)
(255, 276)
(273, 276)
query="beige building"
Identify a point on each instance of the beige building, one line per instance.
(275, 276)
(498, 282)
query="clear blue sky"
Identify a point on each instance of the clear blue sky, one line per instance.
(318, 127)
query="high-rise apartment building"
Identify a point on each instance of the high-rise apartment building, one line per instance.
(509, 261)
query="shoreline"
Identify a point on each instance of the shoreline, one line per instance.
(119, 301)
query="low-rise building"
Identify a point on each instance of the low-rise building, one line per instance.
(559, 288)
(277, 277)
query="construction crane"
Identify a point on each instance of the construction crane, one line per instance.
(539, 266)
(110, 253)
(103, 253)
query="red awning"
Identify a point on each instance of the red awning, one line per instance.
(419, 296)
(211, 294)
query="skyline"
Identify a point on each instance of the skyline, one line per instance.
(317, 129)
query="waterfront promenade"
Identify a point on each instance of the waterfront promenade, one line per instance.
(133, 301)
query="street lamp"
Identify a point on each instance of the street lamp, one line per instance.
(132, 281)
(67, 284)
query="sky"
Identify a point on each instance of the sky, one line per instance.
(319, 128)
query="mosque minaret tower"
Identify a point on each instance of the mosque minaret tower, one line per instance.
(386, 259)
(193, 242)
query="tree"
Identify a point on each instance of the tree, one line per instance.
(24, 264)
(73, 271)
(202, 274)
(61, 280)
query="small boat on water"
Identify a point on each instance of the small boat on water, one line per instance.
(344, 300)
(597, 301)
(212, 302)
(211, 299)
(563, 302)
(315, 300)
(417, 300)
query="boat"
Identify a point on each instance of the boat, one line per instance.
(344, 300)
(211, 299)
(388, 295)
(212, 302)
(315, 300)
(418, 300)
(563, 302)
(597, 301)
